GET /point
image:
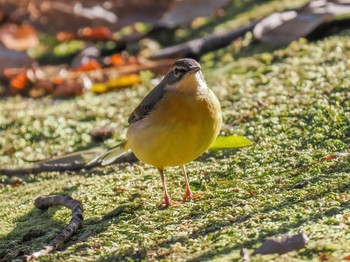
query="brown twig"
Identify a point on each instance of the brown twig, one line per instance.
(198, 47)
(63, 167)
(44, 202)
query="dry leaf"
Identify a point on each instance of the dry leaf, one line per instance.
(13, 59)
(18, 38)
(58, 81)
(282, 28)
(282, 244)
(70, 89)
(100, 33)
(179, 14)
(119, 60)
(122, 81)
(72, 15)
(89, 65)
(334, 156)
(20, 81)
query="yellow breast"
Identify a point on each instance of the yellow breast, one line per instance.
(181, 127)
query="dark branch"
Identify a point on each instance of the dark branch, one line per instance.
(75, 223)
(64, 167)
(198, 47)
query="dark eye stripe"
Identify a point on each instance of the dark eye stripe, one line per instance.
(180, 70)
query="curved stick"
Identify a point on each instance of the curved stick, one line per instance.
(44, 202)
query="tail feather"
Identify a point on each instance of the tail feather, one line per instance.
(109, 156)
(74, 157)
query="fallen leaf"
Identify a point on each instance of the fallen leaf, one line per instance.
(65, 36)
(70, 16)
(122, 81)
(100, 33)
(119, 60)
(179, 15)
(88, 53)
(20, 81)
(57, 80)
(226, 142)
(89, 65)
(19, 38)
(334, 156)
(283, 244)
(63, 82)
(71, 89)
(13, 59)
(282, 28)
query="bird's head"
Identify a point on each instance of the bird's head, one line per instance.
(185, 75)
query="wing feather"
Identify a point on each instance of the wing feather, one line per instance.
(148, 103)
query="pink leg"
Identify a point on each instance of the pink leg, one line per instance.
(167, 200)
(188, 193)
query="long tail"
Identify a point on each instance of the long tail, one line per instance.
(109, 156)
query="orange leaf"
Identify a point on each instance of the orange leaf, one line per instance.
(90, 65)
(335, 155)
(117, 60)
(96, 33)
(123, 60)
(18, 38)
(65, 36)
(20, 81)
(57, 80)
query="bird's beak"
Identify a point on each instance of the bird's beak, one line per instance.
(194, 70)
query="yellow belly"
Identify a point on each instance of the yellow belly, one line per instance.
(180, 128)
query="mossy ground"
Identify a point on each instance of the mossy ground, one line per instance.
(294, 103)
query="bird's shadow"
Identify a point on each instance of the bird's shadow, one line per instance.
(37, 228)
(215, 227)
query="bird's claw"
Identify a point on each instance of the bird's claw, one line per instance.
(191, 197)
(168, 202)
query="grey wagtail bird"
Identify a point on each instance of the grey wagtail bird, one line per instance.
(173, 125)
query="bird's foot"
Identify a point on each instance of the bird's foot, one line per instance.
(189, 196)
(168, 202)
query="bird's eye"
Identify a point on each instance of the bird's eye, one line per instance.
(179, 71)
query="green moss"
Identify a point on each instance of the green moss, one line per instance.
(293, 103)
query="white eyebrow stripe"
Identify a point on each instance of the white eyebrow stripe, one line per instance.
(180, 68)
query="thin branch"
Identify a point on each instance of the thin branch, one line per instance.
(198, 47)
(44, 202)
(64, 167)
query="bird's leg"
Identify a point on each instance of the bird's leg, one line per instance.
(167, 200)
(188, 193)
